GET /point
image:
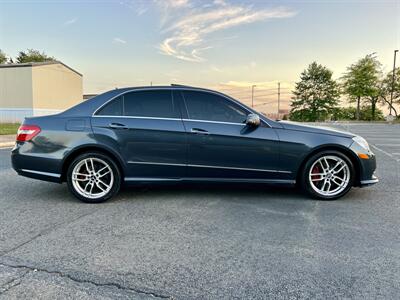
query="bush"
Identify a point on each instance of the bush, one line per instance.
(339, 114)
(366, 114)
(344, 113)
(305, 115)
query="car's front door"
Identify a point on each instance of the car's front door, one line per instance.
(147, 128)
(221, 145)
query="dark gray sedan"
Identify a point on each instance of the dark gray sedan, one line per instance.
(178, 133)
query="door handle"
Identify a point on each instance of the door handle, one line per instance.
(117, 126)
(199, 131)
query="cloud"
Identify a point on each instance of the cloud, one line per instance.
(141, 10)
(172, 3)
(118, 40)
(139, 7)
(220, 2)
(70, 22)
(216, 69)
(188, 27)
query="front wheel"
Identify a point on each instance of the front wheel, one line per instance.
(93, 177)
(328, 175)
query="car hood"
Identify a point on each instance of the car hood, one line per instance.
(315, 129)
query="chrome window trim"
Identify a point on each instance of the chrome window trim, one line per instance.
(216, 122)
(169, 119)
(179, 89)
(41, 173)
(207, 166)
(137, 117)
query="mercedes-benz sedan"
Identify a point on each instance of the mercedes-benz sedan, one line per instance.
(178, 133)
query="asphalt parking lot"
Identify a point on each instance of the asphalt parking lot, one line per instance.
(192, 241)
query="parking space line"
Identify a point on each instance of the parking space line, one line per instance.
(385, 152)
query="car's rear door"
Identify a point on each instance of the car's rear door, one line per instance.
(148, 131)
(220, 145)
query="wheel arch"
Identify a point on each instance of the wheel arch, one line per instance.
(346, 151)
(87, 148)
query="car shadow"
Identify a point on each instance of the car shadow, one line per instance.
(233, 192)
(198, 191)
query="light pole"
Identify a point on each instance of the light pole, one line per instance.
(279, 98)
(393, 77)
(252, 95)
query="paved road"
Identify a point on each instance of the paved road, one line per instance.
(203, 241)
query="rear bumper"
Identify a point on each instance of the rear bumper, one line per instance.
(35, 165)
(53, 177)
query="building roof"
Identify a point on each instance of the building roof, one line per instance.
(36, 64)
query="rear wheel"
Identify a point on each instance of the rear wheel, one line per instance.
(328, 175)
(93, 177)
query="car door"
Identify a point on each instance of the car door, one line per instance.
(221, 145)
(147, 129)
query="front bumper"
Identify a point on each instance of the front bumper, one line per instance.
(367, 166)
(368, 182)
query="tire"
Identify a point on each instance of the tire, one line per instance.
(93, 187)
(327, 183)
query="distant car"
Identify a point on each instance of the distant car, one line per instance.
(178, 133)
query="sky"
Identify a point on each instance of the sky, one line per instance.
(228, 45)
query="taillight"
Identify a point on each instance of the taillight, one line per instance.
(27, 132)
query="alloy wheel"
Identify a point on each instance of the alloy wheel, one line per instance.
(329, 175)
(92, 178)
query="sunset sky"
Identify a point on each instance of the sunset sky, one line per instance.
(227, 45)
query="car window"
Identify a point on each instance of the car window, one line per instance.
(113, 108)
(210, 107)
(157, 104)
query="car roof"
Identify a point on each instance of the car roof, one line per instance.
(171, 87)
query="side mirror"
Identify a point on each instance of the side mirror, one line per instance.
(253, 120)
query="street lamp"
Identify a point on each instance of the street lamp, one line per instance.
(393, 76)
(252, 95)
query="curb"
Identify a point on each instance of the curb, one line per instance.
(7, 144)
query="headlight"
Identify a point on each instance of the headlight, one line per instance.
(362, 142)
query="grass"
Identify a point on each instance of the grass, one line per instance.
(8, 128)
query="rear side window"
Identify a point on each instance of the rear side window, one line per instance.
(210, 107)
(156, 104)
(113, 108)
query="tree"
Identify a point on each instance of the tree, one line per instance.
(361, 81)
(315, 95)
(32, 55)
(386, 90)
(3, 57)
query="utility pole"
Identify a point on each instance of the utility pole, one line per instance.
(393, 77)
(279, 98)
(252, 95)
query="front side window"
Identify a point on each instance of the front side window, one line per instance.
(157, 104)
(210, 107)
